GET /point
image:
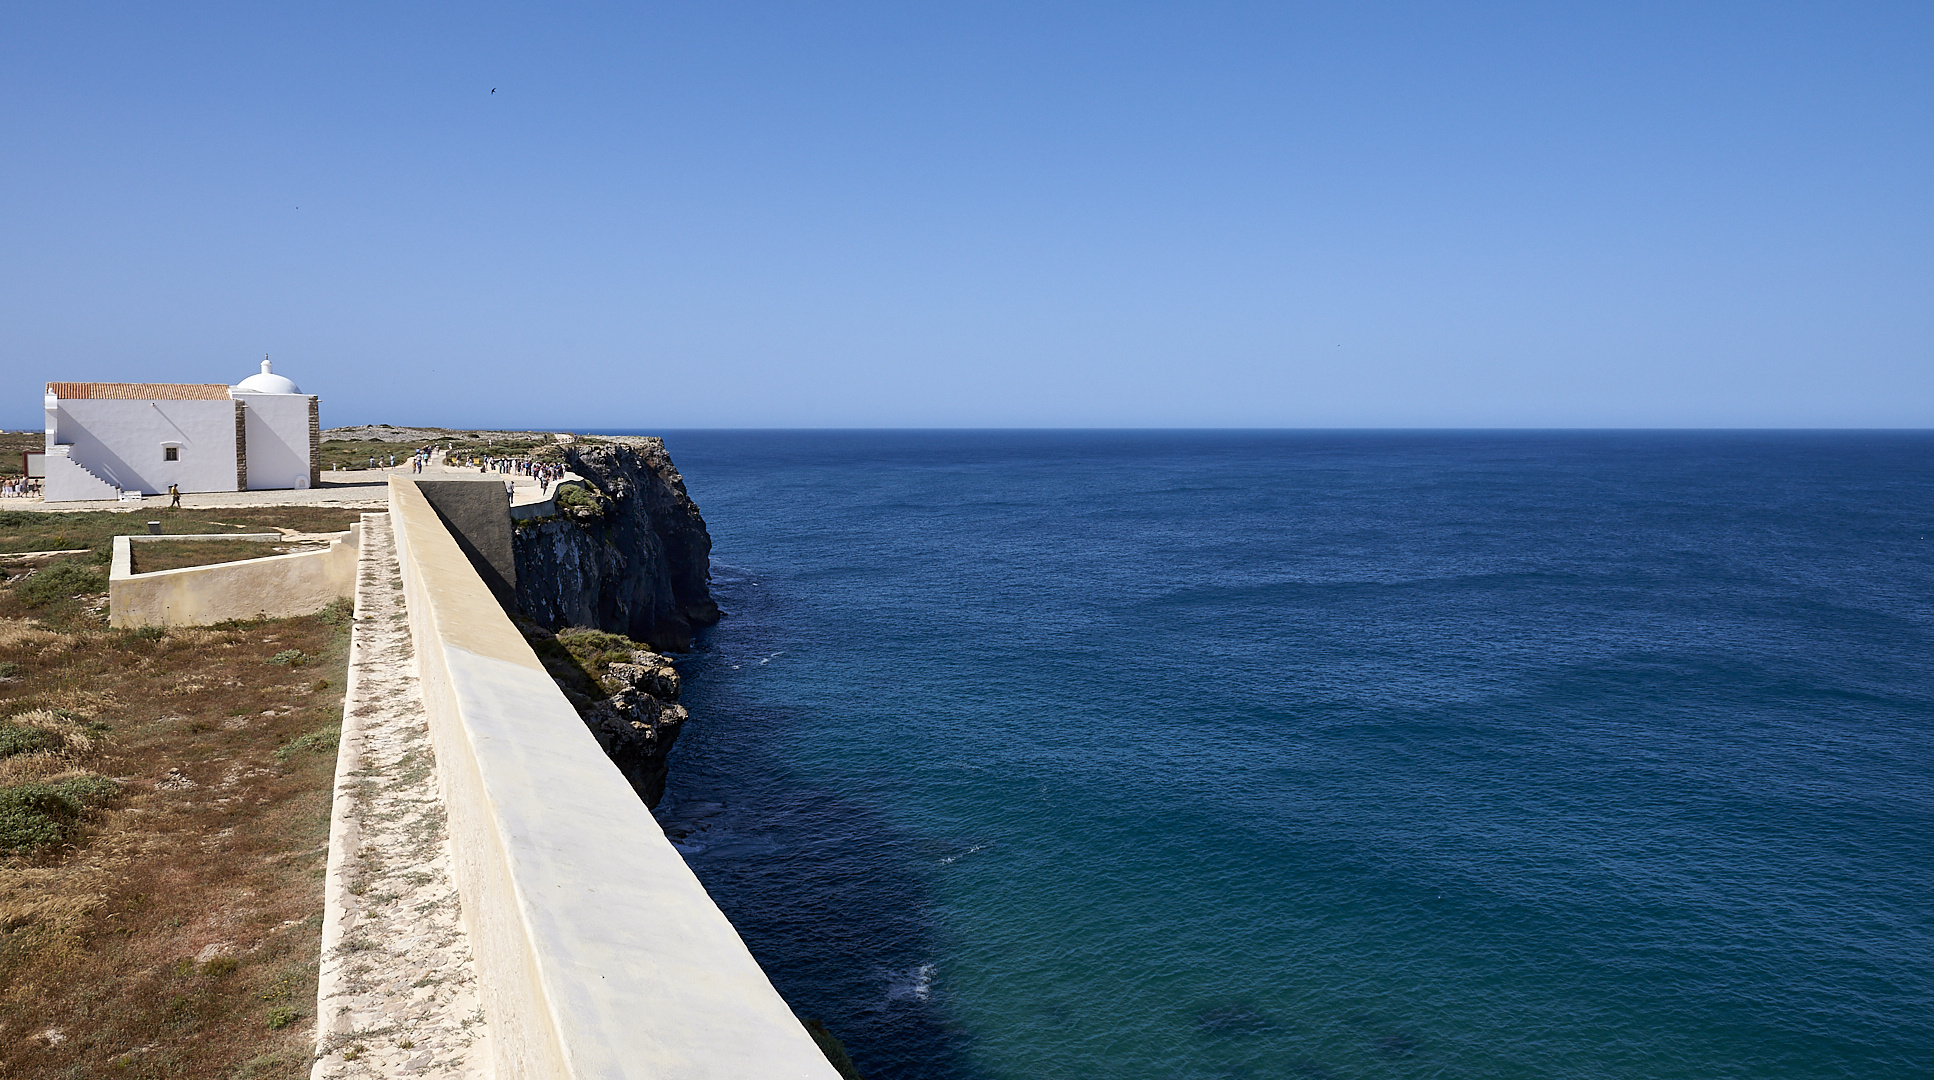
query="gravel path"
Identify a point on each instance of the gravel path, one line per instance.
(397, 992)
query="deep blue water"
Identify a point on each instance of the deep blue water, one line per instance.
(1191, 755)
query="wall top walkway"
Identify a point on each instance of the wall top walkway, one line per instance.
(599, 954)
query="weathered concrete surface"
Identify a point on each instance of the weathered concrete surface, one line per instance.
(397, 994)
(477, 513)
(275, 587)
(599, 954)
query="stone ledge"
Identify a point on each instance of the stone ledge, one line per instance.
(598, 952)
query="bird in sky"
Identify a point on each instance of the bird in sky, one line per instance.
(493, 89)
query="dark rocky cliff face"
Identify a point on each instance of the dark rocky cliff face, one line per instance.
(634, 559)
(628, 557)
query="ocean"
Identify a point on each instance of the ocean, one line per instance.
(1324, 754)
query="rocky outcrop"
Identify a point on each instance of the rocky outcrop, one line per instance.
(639, 721)
(626, 695)
(630, 556)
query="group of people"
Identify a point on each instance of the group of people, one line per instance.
(544, 472)
(18, 487)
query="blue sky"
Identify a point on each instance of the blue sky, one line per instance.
(700, 215)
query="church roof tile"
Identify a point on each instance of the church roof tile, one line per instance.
(138, 391)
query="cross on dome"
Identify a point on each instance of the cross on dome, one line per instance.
(267, 382)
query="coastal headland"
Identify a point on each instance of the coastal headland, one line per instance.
(600, 568)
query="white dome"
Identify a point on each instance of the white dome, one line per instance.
(267, 382)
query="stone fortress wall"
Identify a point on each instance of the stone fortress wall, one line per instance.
(598, 951)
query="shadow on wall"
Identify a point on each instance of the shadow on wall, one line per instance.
(477, 513)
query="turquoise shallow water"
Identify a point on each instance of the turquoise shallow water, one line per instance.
(1344, 755)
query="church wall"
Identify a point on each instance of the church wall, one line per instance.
(278, 440)
(124, 442)
(67, 481)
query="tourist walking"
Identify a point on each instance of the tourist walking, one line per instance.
(174, 496)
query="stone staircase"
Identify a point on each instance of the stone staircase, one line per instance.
(68, 480)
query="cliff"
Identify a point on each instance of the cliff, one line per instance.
(627, 696)
(626, 562)
(630, 557)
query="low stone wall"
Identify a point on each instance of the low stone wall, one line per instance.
(598, 952)
(274, 587)
(535, 511)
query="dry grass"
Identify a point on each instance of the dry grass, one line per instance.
(176, 927)
(173, 554)
(355, 453)
(15, 443)
(29, 530)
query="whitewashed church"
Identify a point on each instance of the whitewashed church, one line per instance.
(125, 440)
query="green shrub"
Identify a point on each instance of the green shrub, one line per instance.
(594, 651)
(277, 1063)
(16, 739)
(37, 814)
(592, 643)
(321, 741)
(8, 669)
(338, 612)
(281, 1016)
(60, 581)
(291, 657)
(582, 503)
(220, 965)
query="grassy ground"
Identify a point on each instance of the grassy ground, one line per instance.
(26, 530)
(578, 658)
(15, 443)
(355, 453)
(173, 554)
(164, 820)
(349, 453)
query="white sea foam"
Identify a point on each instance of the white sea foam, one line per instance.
(949, 860)
(914, 985)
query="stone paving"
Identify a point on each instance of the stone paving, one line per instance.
(398, 989)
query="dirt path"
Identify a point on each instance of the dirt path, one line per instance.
(397, 993)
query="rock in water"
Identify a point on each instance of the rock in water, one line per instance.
(640, 564)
